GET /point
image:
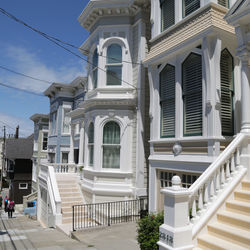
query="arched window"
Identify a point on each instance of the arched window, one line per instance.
(94, 68)
(91, 143)
(167, 101)
(192, 95)
(227, 92)
(111, 145)
(114, 64)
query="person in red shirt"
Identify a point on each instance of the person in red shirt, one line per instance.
(10, 208)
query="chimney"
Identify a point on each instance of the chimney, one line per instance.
(17, 132)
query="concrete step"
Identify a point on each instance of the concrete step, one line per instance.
(68, 190)
(70, 203)
(246, 185)
(208, 241)
(238, 206)
(66, 209)
(232, 234)
(242, 195)
(72, 199)
(70, 195)
(234, 219)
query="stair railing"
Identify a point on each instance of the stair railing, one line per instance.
(205, 191)
(187, 211)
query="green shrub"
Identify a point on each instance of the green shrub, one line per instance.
(148, 231)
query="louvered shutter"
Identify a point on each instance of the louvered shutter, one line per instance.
(224, 3)
(167, 14)
(192, 95)
(167, 94)
(190, 6)
(227, 92)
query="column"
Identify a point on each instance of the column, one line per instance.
(245, 95)
(71, 149)
(81, 146)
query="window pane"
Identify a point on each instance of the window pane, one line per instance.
(111, 133)
(91, 133)
(95, 59)
(114, 54)
(64, 157)
(91, 155)
(114, 75)
(224, 3)
(111, 157)
(45, 141)
(94, 73)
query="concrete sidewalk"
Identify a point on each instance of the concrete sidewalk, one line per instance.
(21, 233)
(116, 237)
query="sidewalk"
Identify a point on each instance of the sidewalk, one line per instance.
(22, 233)
(116, 237)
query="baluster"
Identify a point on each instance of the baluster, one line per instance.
(217, 183)
(238, 158)
(222, 176)
(232, 164)
(200, 201)
(194, 212)
(227, 172)
(206, 195)
(212, 188)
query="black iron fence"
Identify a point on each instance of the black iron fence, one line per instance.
(108, 213)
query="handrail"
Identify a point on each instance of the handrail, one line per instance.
(222, 158)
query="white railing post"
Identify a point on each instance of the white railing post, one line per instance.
(176, 232)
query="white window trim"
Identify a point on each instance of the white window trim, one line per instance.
(68, 107)
(45, 131)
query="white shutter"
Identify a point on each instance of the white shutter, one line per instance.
(227, 92)
(167, 99)
(192, 94)
(190, 6)
(167, 14)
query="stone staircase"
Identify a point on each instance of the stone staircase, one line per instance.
(70, 194)
(231, 229)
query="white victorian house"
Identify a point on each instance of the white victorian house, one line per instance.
(115, 109)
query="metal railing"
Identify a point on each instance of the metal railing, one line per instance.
(108, 213)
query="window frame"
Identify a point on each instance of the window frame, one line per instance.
(95, 69)
(111, 145)
(23, 183)
(184, 10)
(162, 2)
(185, 134)
(91, 146)
(118, 64)
(45, 132)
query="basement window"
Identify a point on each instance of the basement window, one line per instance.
(23, 185)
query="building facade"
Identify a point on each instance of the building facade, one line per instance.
(194, 90)
(40, 148)
(115, 108)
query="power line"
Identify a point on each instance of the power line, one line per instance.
(6, 124)
(18, 73)
(56, 41)
(22, 90)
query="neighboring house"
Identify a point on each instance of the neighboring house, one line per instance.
(115, 110)
(40, 149)
(63, 99)
(194, 80)
(18, 154)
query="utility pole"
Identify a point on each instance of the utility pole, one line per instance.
(3, 154)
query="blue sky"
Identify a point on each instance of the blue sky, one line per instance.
(26, 52)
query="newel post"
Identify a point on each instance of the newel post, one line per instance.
(176, 232)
